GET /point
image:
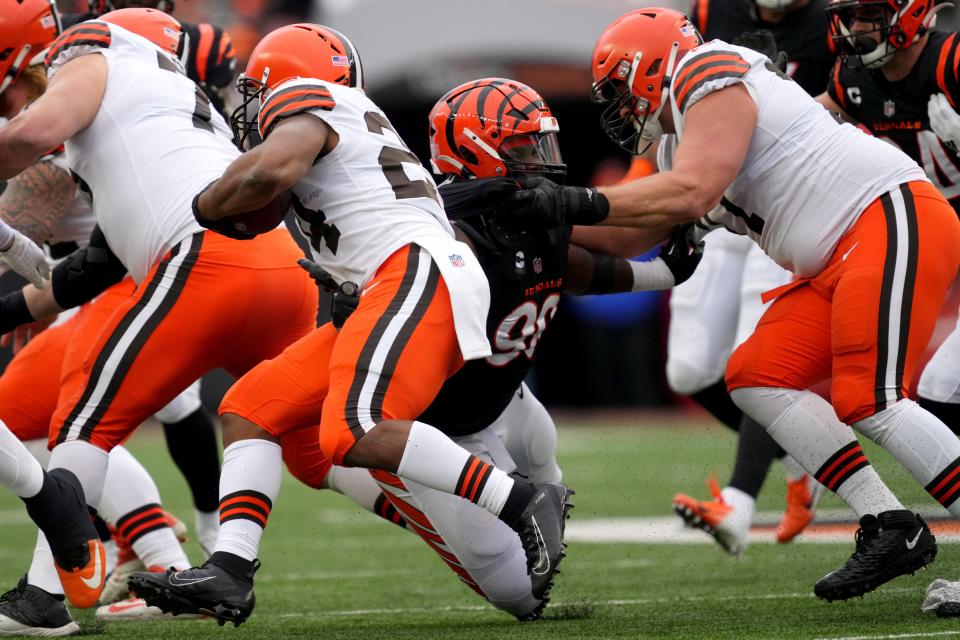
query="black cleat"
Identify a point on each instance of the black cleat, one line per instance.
(542, 525)
(210, 589)
(891, 544)
(31, 611)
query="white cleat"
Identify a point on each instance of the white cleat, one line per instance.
(136, 610)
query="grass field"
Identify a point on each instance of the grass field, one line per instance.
(330, 571)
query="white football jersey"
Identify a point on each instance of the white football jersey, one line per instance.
(369, 196)
(806, 177)
(153, 145)
(78, 221)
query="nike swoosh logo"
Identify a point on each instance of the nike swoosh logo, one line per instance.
(182, 582)
(543, 562)
(843, 258)
(96, 580)
(912, 543)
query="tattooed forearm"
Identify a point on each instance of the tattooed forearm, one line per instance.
(36, 200)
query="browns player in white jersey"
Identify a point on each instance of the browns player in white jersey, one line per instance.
(164, 336)
(373, 217)
(843, 211)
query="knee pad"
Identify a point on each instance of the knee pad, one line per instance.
(686, 378)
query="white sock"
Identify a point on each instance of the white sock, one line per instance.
(87, 462)
(794, 469)
(207, 526)
(435, 461)
(38, 449)
(19, 471)
(807, 428)
(922, 444)
(743, 503)
(43, 573)
(355, 483)
(131, 502)
(249, 483)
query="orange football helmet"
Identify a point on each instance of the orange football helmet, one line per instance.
(27, 28)
(295, 51)
(632, 64)
(158, 27)
(494, 127)
(899, 23)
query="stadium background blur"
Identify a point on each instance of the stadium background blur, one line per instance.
(410, 60)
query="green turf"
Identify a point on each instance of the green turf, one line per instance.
(332, 572)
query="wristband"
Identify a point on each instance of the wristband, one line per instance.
(14, 311)
(651, 275)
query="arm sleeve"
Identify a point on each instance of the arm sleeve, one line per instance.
(87, 272)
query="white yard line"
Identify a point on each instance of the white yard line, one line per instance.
(893, 636)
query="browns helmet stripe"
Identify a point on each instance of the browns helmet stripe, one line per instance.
(86, 33)
(356, 68)
(288, 102)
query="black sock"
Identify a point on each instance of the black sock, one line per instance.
(55, 511)
(519, 496)
(102, 529)
(755, 451)
(233, 564)
(193, 446)
(947, 412)
(717, 401)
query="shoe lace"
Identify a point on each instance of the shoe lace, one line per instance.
(10, 596)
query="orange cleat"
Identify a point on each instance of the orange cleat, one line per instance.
(715, 517)
(82, 585)
(802, 496)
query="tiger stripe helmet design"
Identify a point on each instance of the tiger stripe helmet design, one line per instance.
(899, 24)
(301, 50)
(494, 127)
(27, 27)
(158, 27)
(633, 64)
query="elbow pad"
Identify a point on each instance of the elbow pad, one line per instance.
(86, 273)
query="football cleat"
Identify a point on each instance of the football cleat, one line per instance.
(802, 497)
(137, 610)
(210, 589)
(115, 588)
(715, 517)
(30, 611)
(542, 526)
(889, 545)
(83, 584)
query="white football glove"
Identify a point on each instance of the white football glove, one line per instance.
(940, 592)
(27, 259)
(944, 120)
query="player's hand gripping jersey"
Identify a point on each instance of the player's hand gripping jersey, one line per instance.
(806, 177)
(141, 181)
(897, 111)
(369, 196)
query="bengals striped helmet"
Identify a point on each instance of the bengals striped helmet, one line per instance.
(295, 51)
(633, 63)
(158, 27)
(891, 25)
(27, 28)
(494, 127)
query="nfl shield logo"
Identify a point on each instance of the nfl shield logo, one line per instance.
(537, 265)
(889, 108)
(457, 260)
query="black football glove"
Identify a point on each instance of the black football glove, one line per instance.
(482, 196)
(762, 41)
(544, 204)
(346, 296)
(680, 254)
(221, 226)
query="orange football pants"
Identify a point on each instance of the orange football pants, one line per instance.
(30, 385)
(388, 361)
(212, 302)
(867, 317)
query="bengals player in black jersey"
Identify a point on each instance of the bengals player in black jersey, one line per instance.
(898, 78)
(485, 136)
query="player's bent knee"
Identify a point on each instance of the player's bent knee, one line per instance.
(236, 428)
(686, 379)
(304, 458)
(851, 401)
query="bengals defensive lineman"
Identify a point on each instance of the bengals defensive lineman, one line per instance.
(898, 77)
(155, 342)
(845, 212)
(720, 306)
(485, 135)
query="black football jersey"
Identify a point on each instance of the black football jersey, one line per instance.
(211, 60)
(897, 111)
(525, 286)
(803, 34)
